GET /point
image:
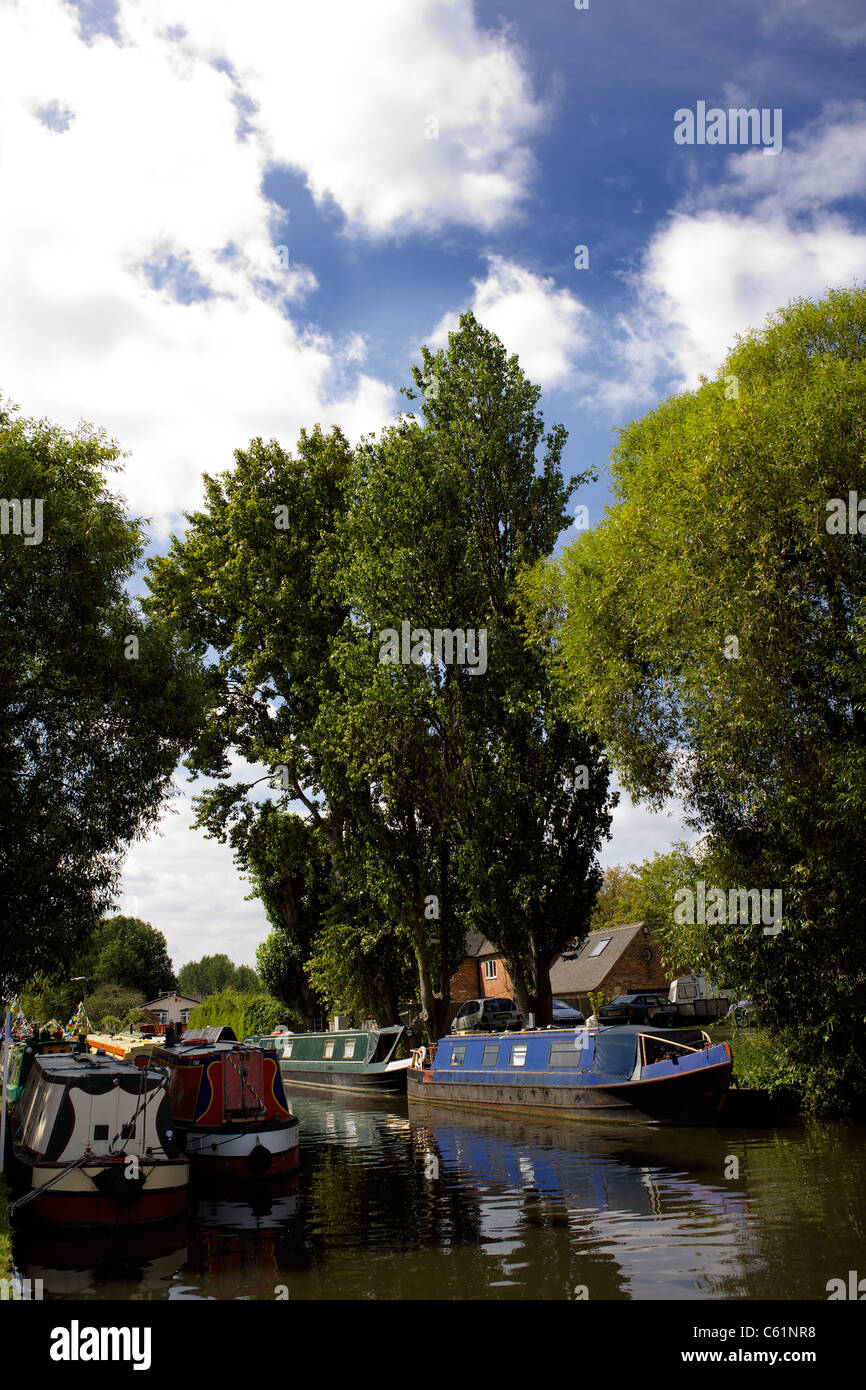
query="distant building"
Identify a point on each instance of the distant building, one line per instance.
(615, 960)
(172, 1008)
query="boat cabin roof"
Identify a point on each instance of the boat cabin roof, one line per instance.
(81, 1066)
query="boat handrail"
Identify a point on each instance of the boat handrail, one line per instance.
(655, 1037)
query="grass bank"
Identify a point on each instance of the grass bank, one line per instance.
(5, 1234)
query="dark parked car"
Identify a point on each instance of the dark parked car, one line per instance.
(487, 1016)
(636, 1008)
(564, 1014)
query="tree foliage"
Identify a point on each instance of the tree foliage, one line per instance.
(291, 575)
(129, 952)
(246, 1014)
(90, 735)
(214, 973)
(711, 628)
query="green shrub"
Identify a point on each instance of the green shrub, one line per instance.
(244, 1013)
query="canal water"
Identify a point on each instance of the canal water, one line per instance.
(399, 1201)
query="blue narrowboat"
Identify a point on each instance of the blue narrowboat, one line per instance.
(643, 1075)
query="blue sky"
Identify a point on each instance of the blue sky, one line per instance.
(154, 154)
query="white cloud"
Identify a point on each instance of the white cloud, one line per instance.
(188, 888)
(146, 171)
(348, 94)
(638, 833)
(544, 325)
(738, 251)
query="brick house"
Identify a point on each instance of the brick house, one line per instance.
(615, 960)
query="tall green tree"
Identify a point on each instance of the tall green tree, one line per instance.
(131, 953)
(96, 701)
(714, 635)
(445, 516)
(296, 573)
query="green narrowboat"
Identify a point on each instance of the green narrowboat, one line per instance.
(357, 1060)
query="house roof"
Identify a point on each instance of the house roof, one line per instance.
(167, 998)
(587, 971)
(478, 945)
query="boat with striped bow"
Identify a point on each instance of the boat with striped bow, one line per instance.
(92, 1144)
(633, 1074)
(228, 1106)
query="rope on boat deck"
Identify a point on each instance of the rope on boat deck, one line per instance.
(43, 1187)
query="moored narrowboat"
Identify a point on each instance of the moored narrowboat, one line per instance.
(92, 1144)
(633, 1074)
(21, 1060)
(361, 1061)
(229, 1108)
(126, 1046)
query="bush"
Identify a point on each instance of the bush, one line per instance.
(244, 1013)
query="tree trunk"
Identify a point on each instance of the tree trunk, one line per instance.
(532, 989)
(434, 1010)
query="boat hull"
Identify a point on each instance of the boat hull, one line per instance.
(688, 1099)
(75, 1200)
(383, 1083)
(252, 1154)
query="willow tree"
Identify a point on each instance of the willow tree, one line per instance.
(712, 628)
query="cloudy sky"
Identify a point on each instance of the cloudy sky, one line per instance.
(222, 220)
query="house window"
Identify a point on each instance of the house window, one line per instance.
(458, 1055)
(329, 1049)
(518, 1055)
(599, 946)
(349, 1047)
(490, 970)
(490, 1055)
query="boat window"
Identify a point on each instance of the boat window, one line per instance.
(100, 1132)
(566, 1054)
(329, 1048)
(127, 1131)
(287, 1049)
(349, 1047)
(457, 1056)
(490, 1055)
(615, 1054)
(518, 1055)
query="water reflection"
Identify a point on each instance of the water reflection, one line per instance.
(399, 1202)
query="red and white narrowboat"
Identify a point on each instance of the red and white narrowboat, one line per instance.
(229, 1109)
